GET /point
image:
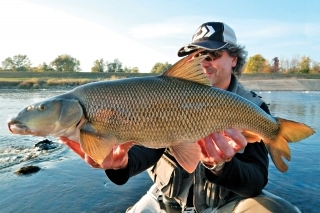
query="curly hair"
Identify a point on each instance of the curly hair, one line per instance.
(240, 52)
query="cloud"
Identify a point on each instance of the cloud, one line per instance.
(43, 33)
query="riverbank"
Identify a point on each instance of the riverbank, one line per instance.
(282, 85)
(54, 80)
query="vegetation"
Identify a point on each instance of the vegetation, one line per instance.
(17, 63)
(115, 66)
(304, 64)
(257, 64)
(65, 63)
(160, 67)
(63, 71)
(98, 66)
(36, 80)
(28, 79)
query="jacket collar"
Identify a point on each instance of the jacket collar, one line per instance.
(233, 84)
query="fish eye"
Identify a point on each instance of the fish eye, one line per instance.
(42, 107)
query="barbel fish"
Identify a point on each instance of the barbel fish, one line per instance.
(173, 110)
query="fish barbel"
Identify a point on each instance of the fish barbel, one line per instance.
(174, 110)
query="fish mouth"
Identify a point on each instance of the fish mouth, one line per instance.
(16, 127)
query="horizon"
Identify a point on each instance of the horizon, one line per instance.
(144, 33)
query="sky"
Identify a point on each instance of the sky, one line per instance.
(141, 33)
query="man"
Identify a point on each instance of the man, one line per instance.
(232, 172)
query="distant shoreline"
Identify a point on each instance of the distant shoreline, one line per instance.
(70, 80)
(282, 85)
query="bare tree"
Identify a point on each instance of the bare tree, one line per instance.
(275, 65)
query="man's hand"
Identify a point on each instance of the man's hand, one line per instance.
(116, 159)
(220, 147)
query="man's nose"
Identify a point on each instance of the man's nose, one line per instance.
(205, 63)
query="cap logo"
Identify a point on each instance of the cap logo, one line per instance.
(203, 31)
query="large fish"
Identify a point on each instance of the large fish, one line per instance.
(174, 110)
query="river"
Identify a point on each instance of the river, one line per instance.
(66, 184)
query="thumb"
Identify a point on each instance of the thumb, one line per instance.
(123, 148)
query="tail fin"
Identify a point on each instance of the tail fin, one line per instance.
(290, 131)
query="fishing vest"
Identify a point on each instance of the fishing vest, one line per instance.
(175, 183)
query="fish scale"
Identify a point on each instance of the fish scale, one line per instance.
(158, 119)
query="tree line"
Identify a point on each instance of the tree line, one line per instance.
(67, 63)
(63, 63)
(297, 64)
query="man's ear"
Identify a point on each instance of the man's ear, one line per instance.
(234, 61)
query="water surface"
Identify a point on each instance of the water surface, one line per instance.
(66, 184)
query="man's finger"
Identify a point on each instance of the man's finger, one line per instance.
(211, 153)
(120, 155)
(123, 148)
(204, 152)
(239, 140)
(223, 145)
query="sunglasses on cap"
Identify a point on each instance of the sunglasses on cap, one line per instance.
(212, 55)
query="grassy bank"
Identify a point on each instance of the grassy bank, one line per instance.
(36, 80)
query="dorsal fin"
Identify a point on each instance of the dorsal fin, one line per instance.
(189, 68)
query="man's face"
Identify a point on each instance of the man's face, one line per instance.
(219, 69)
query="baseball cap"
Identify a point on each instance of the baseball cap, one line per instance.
(210, 36)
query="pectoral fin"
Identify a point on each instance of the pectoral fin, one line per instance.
(187, 155)
(97, 147)
(75, 146)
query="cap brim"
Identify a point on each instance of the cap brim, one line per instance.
(209, 45)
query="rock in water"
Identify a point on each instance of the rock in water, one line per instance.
(27, 170)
